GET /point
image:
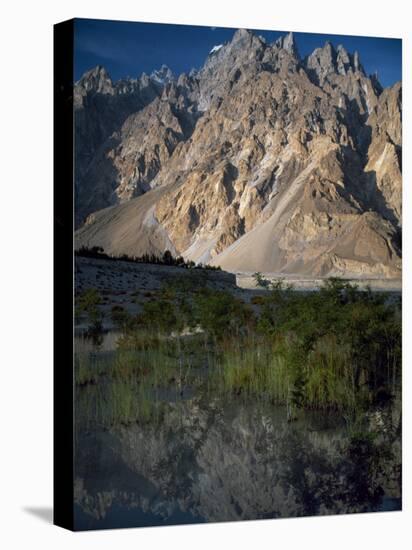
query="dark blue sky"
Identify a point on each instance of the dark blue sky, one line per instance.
(128, 49)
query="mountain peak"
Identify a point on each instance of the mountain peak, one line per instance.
(246, 158)
(343, 61)
(98, 72)
(241, 35)
(328, 60)
(377, 86)
(288, 43)
(357, 65)
(162, 76)
(97, 80)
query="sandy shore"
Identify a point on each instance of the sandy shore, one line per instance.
(247, 281)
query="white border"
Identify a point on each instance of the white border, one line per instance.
(26, 270)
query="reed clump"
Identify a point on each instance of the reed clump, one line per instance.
(338, 348)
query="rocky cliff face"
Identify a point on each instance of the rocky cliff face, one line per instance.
(261, 161)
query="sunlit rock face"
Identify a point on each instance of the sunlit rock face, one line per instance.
(259, 161)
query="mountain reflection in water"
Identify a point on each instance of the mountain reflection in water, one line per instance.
(208, 459)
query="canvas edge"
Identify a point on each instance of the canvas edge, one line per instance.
(63, 228)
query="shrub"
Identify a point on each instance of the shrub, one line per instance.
(89, 302)
(120, 316)
(221, 314)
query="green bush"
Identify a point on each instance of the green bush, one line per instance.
(221, 315)
(88, 302)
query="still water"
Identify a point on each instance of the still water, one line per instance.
(205, 458)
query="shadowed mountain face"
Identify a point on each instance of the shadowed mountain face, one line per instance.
(259, 161)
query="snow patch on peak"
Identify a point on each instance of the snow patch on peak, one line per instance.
(216, 48)
(162, 76)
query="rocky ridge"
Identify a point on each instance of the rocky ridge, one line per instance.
(259, 161)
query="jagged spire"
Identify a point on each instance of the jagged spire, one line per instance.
(97, 80)
(288, 43)
(162, 75)
(377, 86)
(241, 34)
(326, 60)
(343, 63)
(356, 62)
